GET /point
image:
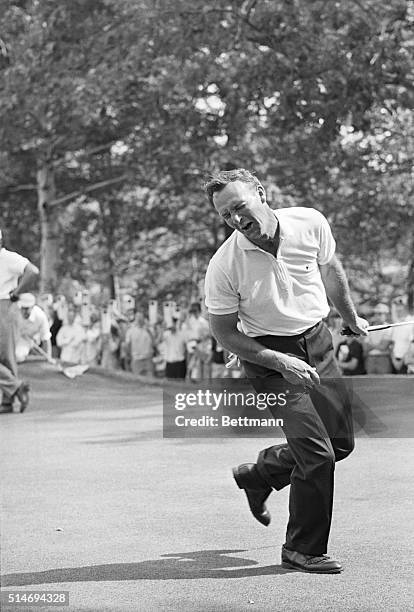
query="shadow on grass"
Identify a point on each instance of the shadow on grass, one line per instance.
(174, 566)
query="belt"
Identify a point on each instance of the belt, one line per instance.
(311, 330)
(305, 334)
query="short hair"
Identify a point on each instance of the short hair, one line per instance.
(219, 180)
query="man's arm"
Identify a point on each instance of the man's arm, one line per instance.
(296, 371)
(26, 281)
(337, 290)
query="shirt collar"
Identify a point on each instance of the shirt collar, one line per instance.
(284, 232)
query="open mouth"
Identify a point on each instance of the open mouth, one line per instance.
(247, 227)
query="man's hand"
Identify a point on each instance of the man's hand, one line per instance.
(358, 326)
(296, 371)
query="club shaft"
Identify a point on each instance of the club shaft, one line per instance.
(388, 325)
(348, 332)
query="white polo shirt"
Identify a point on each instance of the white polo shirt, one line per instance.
(280, 296)
(33, 330)
(36, 326)
(12, 266)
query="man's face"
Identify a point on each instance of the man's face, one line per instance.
(26, 312)
(243, 207)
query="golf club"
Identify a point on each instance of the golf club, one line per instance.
(70, 371)
(348, 332)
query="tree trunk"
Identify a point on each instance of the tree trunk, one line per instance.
(108, 233)
(49, 227)
(111, 286)
(410, 283)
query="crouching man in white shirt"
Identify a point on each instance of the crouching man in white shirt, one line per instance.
(33, 328)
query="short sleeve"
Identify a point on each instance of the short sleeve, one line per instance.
(18, 264)
(221, 298)
(327, 242)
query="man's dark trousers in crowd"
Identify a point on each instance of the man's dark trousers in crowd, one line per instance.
(319, 431)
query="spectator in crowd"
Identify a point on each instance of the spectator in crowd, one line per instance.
(409, 358)
(198, 336)
(378, 344)
(70, 338)
(124, 323)
(173, 349)
(54, 328)
(401, 336)
(157, 331)
(93, 341)
(58, 316)
(350, 356)
(17, 275)
(33, 328)
(218, 364)
(111, 343)
(195, 326)
(199, 357)
(140, 347)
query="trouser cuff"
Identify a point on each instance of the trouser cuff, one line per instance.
(270, 480)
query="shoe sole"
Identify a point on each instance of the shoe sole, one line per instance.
(236, 477)
(288, 565)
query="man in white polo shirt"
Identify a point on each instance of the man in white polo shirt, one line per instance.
(34, 329)
(17, 275)
(273, 275)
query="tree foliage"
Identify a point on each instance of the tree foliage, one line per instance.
(127, 106)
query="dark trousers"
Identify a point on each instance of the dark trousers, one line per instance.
(9, 381)
(319, 431)
(176, 369)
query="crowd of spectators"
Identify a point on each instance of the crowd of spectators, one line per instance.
(177, 343)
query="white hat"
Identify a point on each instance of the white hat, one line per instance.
(27, 300)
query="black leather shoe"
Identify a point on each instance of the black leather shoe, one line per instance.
(22, 395)
(256, 490)
(314, 564)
